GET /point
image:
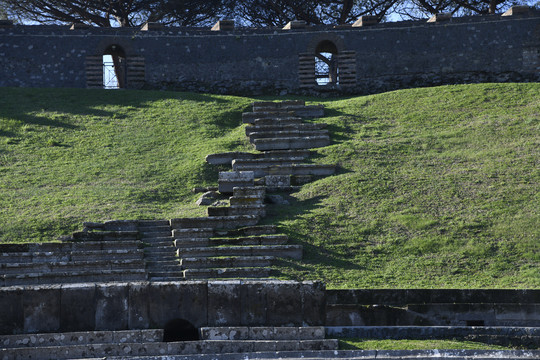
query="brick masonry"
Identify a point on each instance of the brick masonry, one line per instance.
(375, 58)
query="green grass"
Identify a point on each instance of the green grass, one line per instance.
(436, 188)
(363, 344)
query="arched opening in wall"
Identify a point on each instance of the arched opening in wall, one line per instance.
(114, 68)
(180, 330)
(326, 63)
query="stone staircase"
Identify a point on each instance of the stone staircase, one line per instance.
(135, 343)
(72, 262)
(218, 253)
(224, 244)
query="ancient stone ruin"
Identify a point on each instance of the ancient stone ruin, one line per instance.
(186, 287)
(364, 57)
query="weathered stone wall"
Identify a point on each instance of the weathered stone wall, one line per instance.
(433, 307)
(143, 305)
(379, 57)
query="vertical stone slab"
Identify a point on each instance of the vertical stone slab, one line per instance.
(284, 303)
(224, 305)
(313, 303)
(254, 306)
(11, 311)
(177, 300)
(139, 312)
(78, 307)
(41, 308)
(111, 306)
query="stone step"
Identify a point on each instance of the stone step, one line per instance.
(432, 332)
(227, 262)
(215, 222)
(93, 255)
(247, 231)
(111, 235)
(177, 273)
(285, 251)
(73, 277)
(228, 180)
(227, 273)
(236, 210)
(276, 105)
(285, 134)
(152, 223)
(80, 338)
(277, 121)
(162, 263)
(161, 350)
(70, 246)
(247, 240)
(263, 169)
(193, 233)
(291, 143)
(241, 163)
(161, 243)
(62, 267)
(242, 192)
(155, 234)
(263, 333)
(166, 278)
(250, 117)
(256, 199)
(287, 127)
(227, 157)
(296, 109)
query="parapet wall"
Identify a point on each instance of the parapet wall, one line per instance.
(144, 305)
(370, 59)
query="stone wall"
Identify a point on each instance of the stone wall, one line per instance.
(371, 59)
(433, 307)
(144, 305)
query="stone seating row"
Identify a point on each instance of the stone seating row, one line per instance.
(150, 342)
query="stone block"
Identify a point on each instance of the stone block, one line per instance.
(112, 311)
(228, 157)
(225, 333)
(295, 25)
(79, 26)
(139, 306)
(277, 180)
(41, 308)
(284, 304)
(224, 305)
(366, 20)
(440, 17)
(313, 303)
(177, 300)
(147, 26)
(11, 310)
(223, 25)
(311, 332)
(78, 307)
(254, 303)
(517, 10)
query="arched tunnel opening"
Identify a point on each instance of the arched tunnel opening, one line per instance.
(180, 330)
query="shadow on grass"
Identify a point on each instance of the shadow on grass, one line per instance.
(322, 256)
(25, 105)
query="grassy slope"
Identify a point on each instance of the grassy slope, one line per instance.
(437, 187)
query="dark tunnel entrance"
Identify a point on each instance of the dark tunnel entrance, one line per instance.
(180, 330)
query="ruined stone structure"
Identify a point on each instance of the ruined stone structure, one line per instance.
(162, 288)
(363, 58)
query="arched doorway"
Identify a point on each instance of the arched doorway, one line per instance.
(326, 63)
(114, 67)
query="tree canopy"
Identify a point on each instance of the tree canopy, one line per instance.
(262, 13)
